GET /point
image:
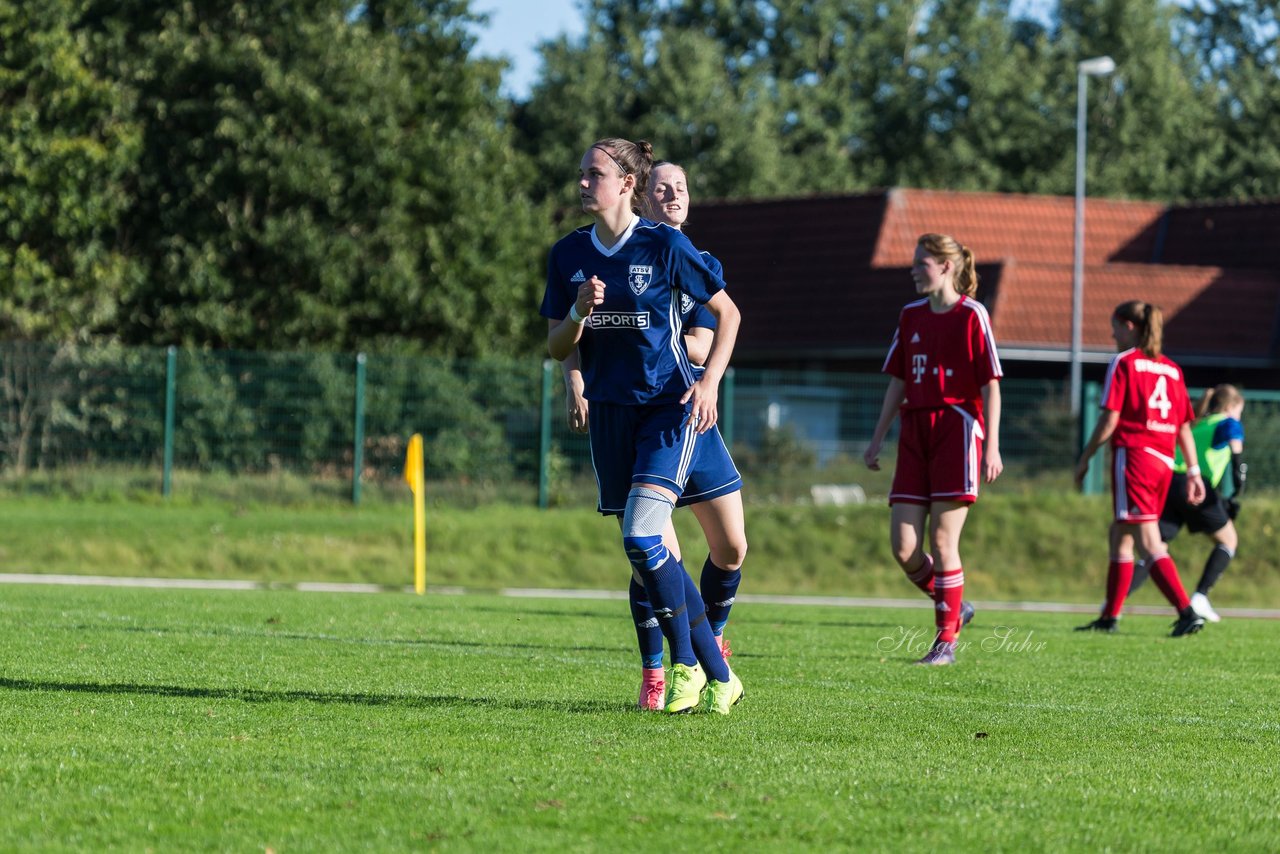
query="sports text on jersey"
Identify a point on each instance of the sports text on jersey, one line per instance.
(619, 320)
(578, 277)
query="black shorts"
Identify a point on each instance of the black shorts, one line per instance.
(1209, 516)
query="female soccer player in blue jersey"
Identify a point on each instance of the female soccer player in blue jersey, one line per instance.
(624, 277)
(944, 388)
(713, 491)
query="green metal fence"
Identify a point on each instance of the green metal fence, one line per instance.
(347, 418)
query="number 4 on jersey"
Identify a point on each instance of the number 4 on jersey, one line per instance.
(1159, 398)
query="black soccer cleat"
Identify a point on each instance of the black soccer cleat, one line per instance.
(1188, 623)
(1102, 624)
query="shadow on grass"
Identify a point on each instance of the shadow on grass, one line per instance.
(253, 695)
(299, 636)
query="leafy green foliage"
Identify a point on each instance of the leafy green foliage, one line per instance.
(347, 176)
(69, 141)
(323, 178)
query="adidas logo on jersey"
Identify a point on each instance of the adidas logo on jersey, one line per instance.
(915, 339)
(578, 277)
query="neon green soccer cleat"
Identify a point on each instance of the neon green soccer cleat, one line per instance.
(720, 697)
(684, 688)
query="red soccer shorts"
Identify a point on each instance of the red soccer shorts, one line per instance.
(1139, 482)
(939, 457)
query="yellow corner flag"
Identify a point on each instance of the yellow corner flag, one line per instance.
(413, 475)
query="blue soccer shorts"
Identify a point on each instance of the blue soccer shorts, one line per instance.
(656, 444)
(713, 473)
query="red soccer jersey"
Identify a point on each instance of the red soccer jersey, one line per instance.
(944, 359)
(1151, 398)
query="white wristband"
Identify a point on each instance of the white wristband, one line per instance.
(574, 316)
(1193, 471)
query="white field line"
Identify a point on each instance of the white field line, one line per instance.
(553, 593)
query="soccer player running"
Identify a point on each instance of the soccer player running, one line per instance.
(945, 387)
(1219, 438)
(624, 277)
(713, 490)
(1145, 412)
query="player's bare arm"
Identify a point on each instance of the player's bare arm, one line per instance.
(1102, 431)
(1195, 482)
(574, 387)
(697, 343)
(888, 411)
(563, 335)
(992, 464)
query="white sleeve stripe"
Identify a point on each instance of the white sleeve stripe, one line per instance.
(889, 357)
(984, 320)
(1111, 372)
(682, 358)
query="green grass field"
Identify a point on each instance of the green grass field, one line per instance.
(1037, 546)
(179, 720)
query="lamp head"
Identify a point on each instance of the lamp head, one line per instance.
(1097, 66)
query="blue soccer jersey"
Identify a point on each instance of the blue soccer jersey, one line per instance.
(694, 315)
(631, 351)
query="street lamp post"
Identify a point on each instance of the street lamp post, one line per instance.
(1098, 66)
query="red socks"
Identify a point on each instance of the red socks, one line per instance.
(1119, 577)
(923, 577)
(948, 593)
(1165, 575)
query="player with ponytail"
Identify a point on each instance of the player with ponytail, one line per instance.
(944, 387)
(1145, 413)
(613, 296)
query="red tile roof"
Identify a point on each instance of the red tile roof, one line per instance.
(828, 274)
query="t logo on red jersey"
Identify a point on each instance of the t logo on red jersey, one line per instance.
(918, 362)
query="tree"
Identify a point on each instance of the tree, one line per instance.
(639, 73)
(1235, 45)
(322, 175)
(68, 157)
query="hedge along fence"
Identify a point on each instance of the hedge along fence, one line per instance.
(348, 417)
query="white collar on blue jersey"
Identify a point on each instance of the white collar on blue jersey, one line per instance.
(622, 240)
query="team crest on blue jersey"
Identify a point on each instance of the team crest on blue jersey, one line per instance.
(686, 303)
(638, 277)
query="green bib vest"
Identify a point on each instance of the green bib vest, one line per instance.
(1213, 461)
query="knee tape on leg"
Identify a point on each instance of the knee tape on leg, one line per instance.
(643, 521)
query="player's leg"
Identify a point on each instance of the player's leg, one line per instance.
(1224, 549)
(613, 435)
(664, 450)
(724, 525)
(1147, 481)
(1141, 572)
(946, 522)
(906, 538)
(649, 634)
(1120, 545)
(909, 501)
(955, 452)
(1172, 518)
(713, 492)
(1164, 574)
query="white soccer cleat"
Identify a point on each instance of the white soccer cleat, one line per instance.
(1200, 604)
